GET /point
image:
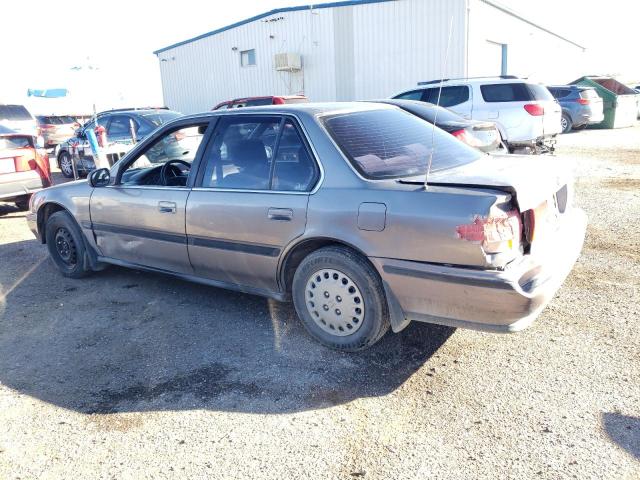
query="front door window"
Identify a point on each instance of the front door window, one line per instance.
(167, 161)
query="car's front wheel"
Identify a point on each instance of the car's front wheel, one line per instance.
(64, 162)
(65, 244)
(340, 299)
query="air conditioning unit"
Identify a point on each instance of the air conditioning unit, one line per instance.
(288, 62)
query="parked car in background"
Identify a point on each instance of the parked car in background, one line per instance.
(481, 135)
(18, 119)
(24, 168)
(526, 114)
(581, 106)
(55, 129)
(485, 244)
(124, 127)
(260, 101)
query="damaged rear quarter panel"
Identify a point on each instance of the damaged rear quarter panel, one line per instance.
(420, 225)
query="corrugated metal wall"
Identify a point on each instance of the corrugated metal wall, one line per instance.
(352, 52)
(357, 52)
(400, 43)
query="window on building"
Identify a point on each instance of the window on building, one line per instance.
(248, 57)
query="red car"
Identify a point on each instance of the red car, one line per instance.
(24, 168)
(258, 101)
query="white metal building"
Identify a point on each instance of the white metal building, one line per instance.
(351, 50)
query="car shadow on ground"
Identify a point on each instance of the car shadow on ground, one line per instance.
(122, 341)
(624, 431)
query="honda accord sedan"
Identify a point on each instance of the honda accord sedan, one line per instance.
(365, 216)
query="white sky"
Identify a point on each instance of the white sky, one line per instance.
(42, 39)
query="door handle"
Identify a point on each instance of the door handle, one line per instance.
(167, 207)
(282, 214)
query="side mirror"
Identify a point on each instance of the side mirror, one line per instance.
(99, 178)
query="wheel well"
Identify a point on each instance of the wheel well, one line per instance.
(43, 215)
(300, 251)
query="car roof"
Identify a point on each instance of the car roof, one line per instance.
(314, 109)
(135, 111)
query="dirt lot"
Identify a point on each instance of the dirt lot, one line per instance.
(130, 375)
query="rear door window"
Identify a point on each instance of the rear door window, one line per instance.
(412, 95)
(392, 143)
(294, 168)
(119, 128)
(239, 158)
(449, 97)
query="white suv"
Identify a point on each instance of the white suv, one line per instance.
(525, 113)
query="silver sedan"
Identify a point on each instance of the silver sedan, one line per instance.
(363, 215)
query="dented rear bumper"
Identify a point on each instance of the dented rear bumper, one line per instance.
(492, 300)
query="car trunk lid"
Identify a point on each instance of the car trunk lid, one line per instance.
(532, 179)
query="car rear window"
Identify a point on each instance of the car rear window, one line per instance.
(161, 118)
(256, 102)
(394, 144)
(589, 93)
(514, 92)
(9, 143)
(14, 112)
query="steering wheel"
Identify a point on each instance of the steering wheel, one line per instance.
(168, 171)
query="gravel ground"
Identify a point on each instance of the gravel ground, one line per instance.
(130, 375)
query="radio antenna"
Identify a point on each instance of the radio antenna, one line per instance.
(435, 117)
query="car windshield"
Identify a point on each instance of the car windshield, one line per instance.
(160, 118)
(394, 144)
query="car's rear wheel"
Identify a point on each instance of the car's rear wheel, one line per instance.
(64, 161)
(65, 244)
(565, 123)
(340, 299)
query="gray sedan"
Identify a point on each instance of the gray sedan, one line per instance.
(328, 205)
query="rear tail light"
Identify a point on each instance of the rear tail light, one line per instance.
(534, 109)
(583, 101)
(25, 163)
(467, 137)
(278, 101)
(499, 232)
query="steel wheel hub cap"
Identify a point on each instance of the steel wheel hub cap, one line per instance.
(334, 302)
(65, 246)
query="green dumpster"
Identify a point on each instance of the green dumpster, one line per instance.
(619, 101)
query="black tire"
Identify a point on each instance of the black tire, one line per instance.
(65, 165)
(565, 123)
(362, 278)
(23, 202)
(66, 245)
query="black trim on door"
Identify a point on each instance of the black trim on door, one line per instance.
(264, 250)
(139, 232)
(252, 248)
